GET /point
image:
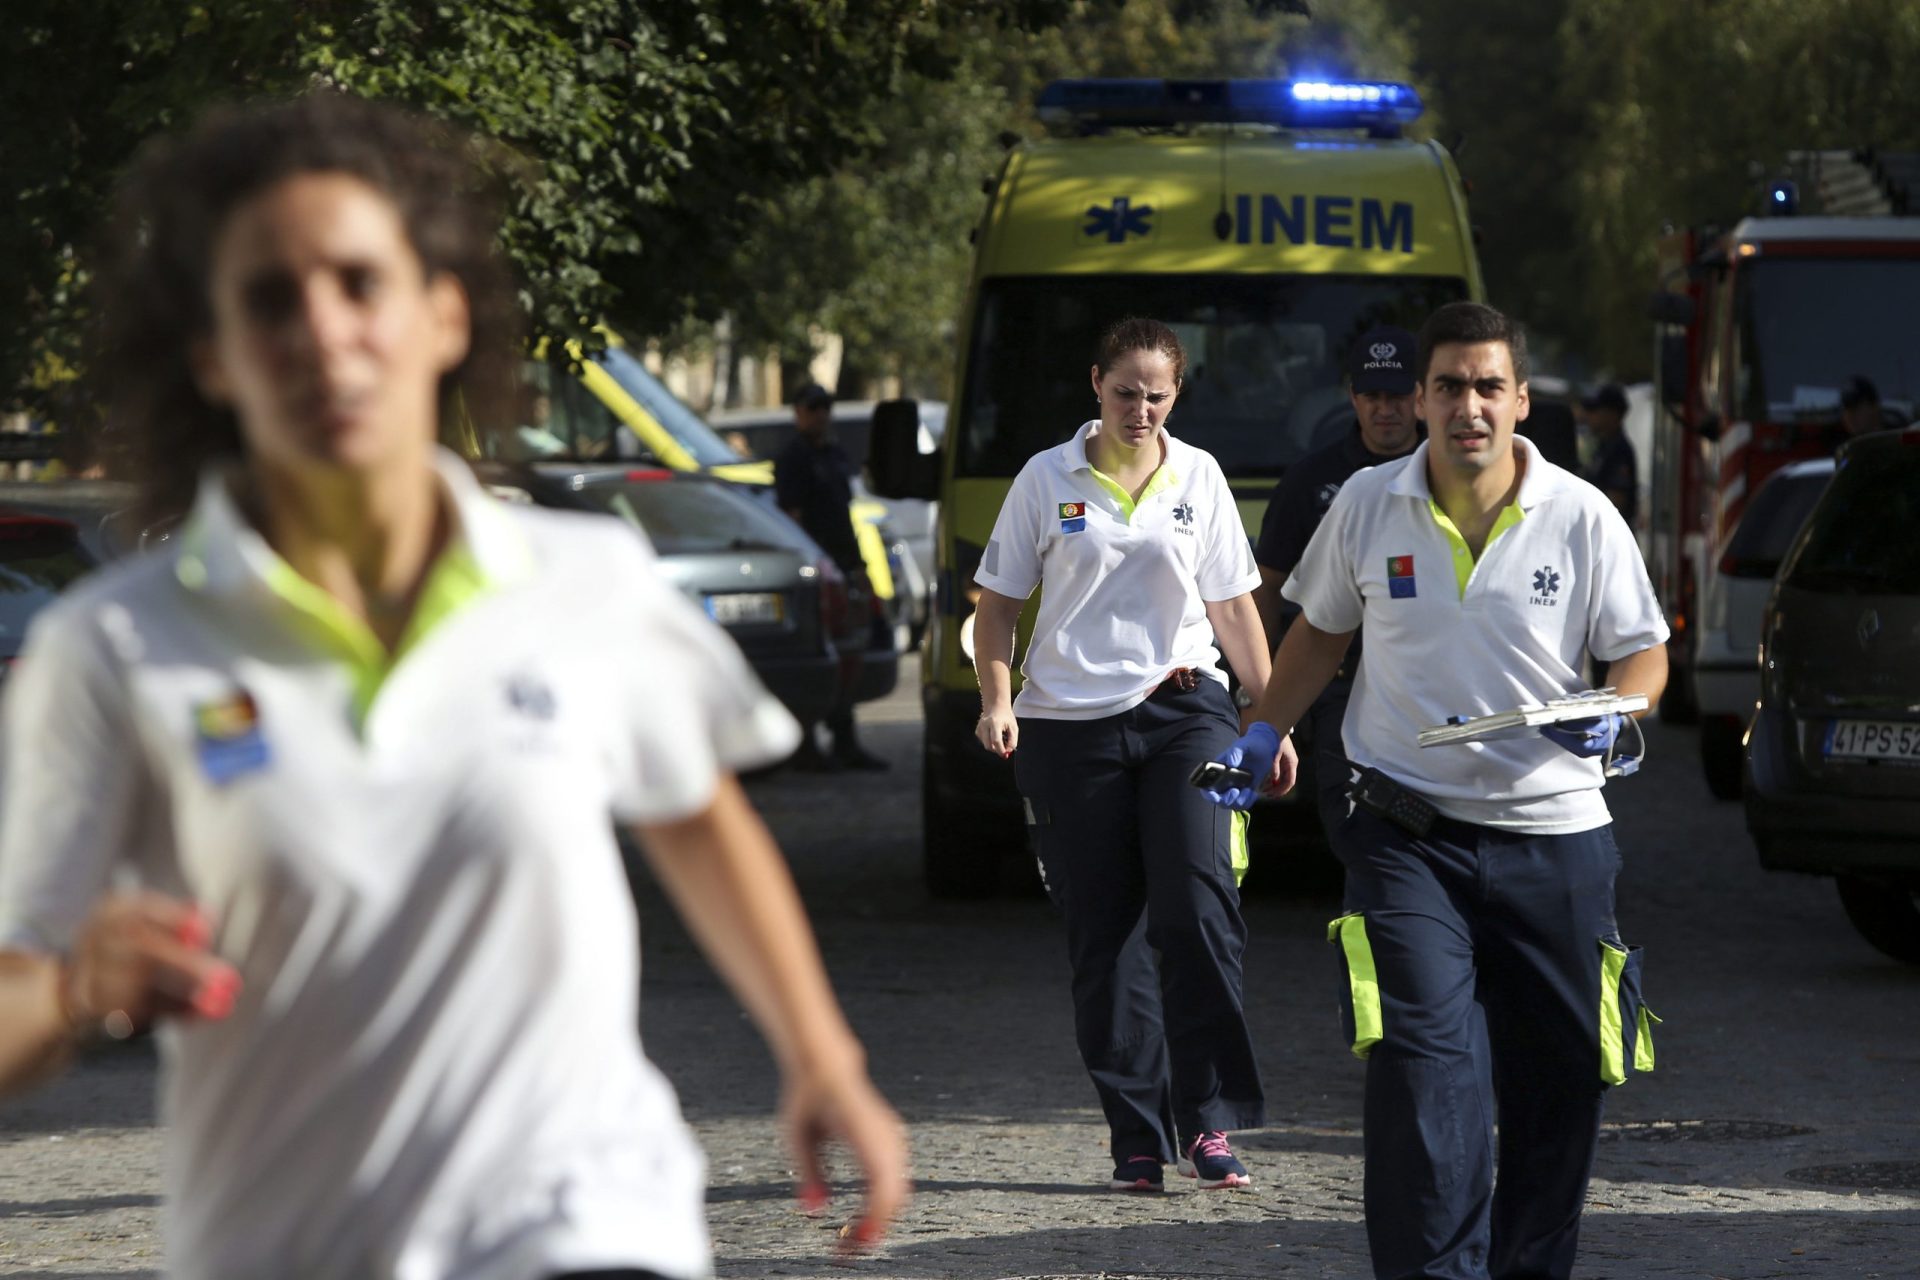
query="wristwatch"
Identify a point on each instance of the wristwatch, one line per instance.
(1241, 698)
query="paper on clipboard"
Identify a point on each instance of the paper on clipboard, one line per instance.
(1524, 721)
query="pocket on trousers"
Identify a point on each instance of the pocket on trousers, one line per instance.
(1039, 828)
(1237, 843)
(1360, 989)
(1626, 1023)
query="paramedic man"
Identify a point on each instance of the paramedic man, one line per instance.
(1380, 386)
(336, 731)
(1486, 575)
(1133, 539)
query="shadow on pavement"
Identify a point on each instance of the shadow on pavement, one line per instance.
(78, 1207)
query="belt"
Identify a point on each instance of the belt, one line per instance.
(1185, 679)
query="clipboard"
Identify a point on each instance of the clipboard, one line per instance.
(1522, 722)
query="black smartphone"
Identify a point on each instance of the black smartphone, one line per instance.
(1211, 775)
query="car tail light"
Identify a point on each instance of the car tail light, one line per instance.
(1747, 566)
(834, 600)
(647, 474)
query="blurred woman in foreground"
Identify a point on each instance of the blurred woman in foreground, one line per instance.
(320, 790)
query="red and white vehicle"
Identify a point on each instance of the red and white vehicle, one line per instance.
(1760, 329)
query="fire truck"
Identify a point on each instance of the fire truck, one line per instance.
(1759, 330)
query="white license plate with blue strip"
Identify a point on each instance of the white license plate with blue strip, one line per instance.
(746, 608)
(1872, 740)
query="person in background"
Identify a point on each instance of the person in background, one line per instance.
(1612, 467)
(1380, 386)
(1860, 410)
(813, 483)
(1133, 539)
(321, 789)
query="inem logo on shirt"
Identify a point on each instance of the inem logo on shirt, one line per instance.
(1400, 577)
(1073, 517)
(1546, 581)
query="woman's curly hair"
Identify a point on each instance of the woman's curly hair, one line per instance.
(151, 295)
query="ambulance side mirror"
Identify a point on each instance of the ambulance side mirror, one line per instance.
(895, 466)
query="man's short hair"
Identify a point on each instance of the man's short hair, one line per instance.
(1858, 391)
(813, 396)
(1471, 323)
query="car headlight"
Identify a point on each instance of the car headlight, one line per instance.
(966, 636)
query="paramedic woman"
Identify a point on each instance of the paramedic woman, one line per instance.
(1133, 538)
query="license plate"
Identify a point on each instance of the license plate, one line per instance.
(1872, 740)
(741, 608)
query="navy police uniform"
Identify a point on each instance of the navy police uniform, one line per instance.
(1381, 361)
(1299, 502)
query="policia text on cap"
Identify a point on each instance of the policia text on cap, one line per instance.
(1487, 577)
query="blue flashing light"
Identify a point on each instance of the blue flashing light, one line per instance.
(1783, 198)
(1377, 106)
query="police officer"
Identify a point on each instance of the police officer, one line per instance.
(1135, 537)
(1380, 385)
(1613, 469)
(813, 483)
(1479, 877)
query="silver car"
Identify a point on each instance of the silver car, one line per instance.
(807, 631)
(908, 522)
(1726, 658)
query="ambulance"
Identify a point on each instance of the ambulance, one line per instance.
(1270, 223)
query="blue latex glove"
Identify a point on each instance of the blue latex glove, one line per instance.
(1253, 751)
(1589, 738)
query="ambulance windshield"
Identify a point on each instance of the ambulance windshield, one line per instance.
(1264, 357)
(1812, 324)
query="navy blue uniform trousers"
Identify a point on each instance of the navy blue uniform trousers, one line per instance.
(1139, 862)
(1487, 948)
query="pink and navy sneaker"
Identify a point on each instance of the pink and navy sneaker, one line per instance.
(1210, 1159)
(1138, 1173)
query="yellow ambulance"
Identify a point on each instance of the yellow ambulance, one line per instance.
(1270, 223)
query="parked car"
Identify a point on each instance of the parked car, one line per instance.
(39, 557)
(610, 409)
(1833, 754)
(1726, 655)
(765, 432)
(797, 619)
(100, 510)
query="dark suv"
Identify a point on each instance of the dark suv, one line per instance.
(1833, 755)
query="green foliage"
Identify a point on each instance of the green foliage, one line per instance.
(878, 251)
(640, 138)
(1689, 104)
(808, 165)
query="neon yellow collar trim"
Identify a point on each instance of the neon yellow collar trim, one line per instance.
(1463, 559)
(454, 582)
(1161, 480)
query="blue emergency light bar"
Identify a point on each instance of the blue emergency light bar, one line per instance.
(1378, 106)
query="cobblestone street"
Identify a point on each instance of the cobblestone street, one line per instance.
(1779, 1136)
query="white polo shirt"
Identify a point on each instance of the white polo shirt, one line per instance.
(1126, 583)
(1559, 577)
(433, 1069)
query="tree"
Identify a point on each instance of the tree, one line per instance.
(878, 251)
(638, 138)
(1690, 103)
